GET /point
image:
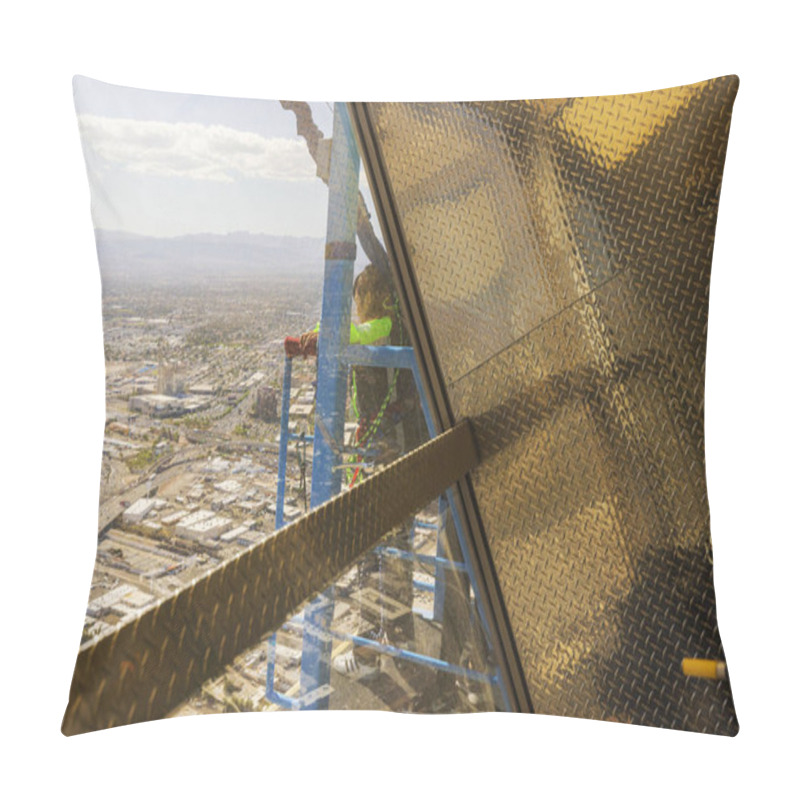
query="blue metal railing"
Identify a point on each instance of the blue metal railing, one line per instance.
(284, 444)
(321, 635)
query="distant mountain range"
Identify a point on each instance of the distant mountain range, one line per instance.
(206, 254)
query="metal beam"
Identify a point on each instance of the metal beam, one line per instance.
(147, 667)
(501, 638)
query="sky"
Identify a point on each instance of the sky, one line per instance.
(166, 164)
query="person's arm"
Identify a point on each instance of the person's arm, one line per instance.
(364, 333)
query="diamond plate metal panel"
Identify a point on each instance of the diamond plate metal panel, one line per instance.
(562, 251)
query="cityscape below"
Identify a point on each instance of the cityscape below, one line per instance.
(190, 469)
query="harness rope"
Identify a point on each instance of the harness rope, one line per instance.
(366, 438)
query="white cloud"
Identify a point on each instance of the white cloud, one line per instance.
(192, 150)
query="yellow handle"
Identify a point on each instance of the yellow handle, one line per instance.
(704, 668)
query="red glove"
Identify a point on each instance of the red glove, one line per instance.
(305, 346)
(292, 346)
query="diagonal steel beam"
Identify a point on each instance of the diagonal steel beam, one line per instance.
(147, 667)
(502, 638)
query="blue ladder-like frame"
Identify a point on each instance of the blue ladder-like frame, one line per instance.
(396, 358)
(335, 357)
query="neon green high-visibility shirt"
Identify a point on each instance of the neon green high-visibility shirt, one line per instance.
(368, 332)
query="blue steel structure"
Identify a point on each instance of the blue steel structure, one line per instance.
(335, 356)
(334, 336)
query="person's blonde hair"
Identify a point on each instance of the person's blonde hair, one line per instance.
(372, 291)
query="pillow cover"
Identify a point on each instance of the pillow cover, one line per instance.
(451, 463)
